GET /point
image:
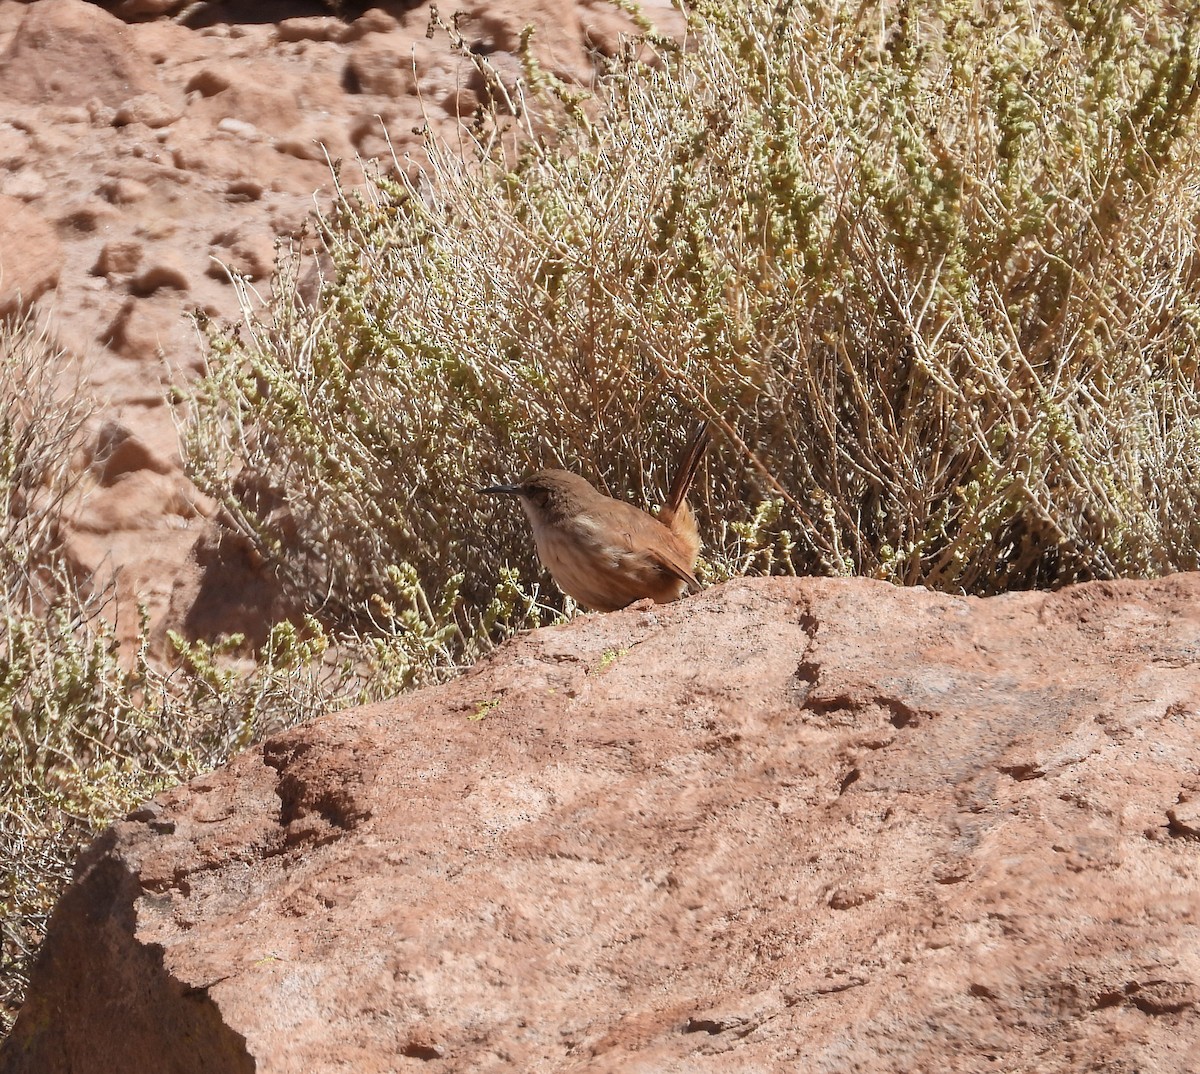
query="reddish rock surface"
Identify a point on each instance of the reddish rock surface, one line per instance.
(143, 161)
(30, 257)
(781, 826)
(71, 52)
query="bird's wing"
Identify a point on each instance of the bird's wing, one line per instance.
(674, 566)
(645, 536)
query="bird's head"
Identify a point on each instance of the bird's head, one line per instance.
(549, 495)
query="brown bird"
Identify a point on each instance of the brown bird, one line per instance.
(606, 553)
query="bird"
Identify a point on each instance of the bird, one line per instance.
(606, 553)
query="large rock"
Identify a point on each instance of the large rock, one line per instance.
(31, 257)
(782, 826)
(71, 52)
(558, 42)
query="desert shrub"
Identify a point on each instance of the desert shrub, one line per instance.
(930, 270)
(41, 416)
(40, 420)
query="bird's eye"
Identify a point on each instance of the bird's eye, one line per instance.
(537, 494)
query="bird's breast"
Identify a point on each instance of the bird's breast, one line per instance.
(601, 566)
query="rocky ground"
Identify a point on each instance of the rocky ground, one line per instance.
(149, 150)
(785, 825)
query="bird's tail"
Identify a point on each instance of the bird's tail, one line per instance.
(675, 513)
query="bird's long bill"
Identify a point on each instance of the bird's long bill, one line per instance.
(502, 490)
